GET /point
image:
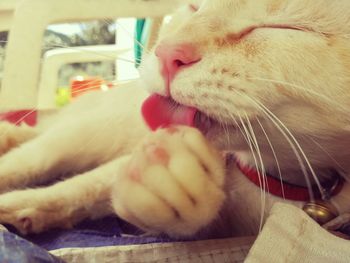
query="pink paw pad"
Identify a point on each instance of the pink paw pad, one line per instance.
(172, 130)
(157, 154)
(134, 174)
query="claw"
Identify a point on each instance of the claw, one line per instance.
(26, 225)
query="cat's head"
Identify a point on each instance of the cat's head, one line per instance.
(276, 69)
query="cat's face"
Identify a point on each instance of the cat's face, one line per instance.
(264, 63)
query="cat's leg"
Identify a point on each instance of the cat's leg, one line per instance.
(173, 183)
(59, 151)
(12, 136)
(31, 163)
(80, 138)
(63, 204)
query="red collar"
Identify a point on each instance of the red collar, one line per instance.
(290, 191)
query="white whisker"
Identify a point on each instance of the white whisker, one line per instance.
(262, 166)
(132, 37)
(274, 155)
(322, 191)
(6, 131)
(320, 96)
(261, 182)
(295, 147)
(326, 152)
(224, 126)
(255, 141)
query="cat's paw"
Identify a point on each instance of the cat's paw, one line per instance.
(172, 184)
(30, 212)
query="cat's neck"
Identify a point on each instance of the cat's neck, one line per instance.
(297, 176)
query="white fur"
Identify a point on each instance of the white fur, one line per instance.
(302, 76)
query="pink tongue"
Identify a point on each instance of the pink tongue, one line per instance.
(160, 112)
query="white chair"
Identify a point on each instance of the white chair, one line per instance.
(54, 59)
(20, 83)
(7, 8)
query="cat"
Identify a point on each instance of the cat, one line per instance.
(266, 81)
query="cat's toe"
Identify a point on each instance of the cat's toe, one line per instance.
(173, 184)
(12, 212)
(23, 221)
(29, 214)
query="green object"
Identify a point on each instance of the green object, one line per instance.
(141, 36)
(63, 96)
(140, 23)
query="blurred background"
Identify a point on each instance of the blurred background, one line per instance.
(53, 51)
(93, 33)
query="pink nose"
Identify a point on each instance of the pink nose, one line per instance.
(175, 57)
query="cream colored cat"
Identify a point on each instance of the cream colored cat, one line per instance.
(266, 80)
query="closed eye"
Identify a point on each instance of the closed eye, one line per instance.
(232, 38)
(249, 30)
(276, 26)
(282, 26)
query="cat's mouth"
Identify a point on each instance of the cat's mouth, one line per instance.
(162, 112)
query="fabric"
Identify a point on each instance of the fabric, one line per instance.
(110, 239)
(14, 249)
(233, 250)
(290, 235)
(109, 231)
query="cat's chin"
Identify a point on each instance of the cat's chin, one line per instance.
(223, 136)
(203, 122)
(211, 127)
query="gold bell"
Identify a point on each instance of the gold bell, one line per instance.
(321, 211)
